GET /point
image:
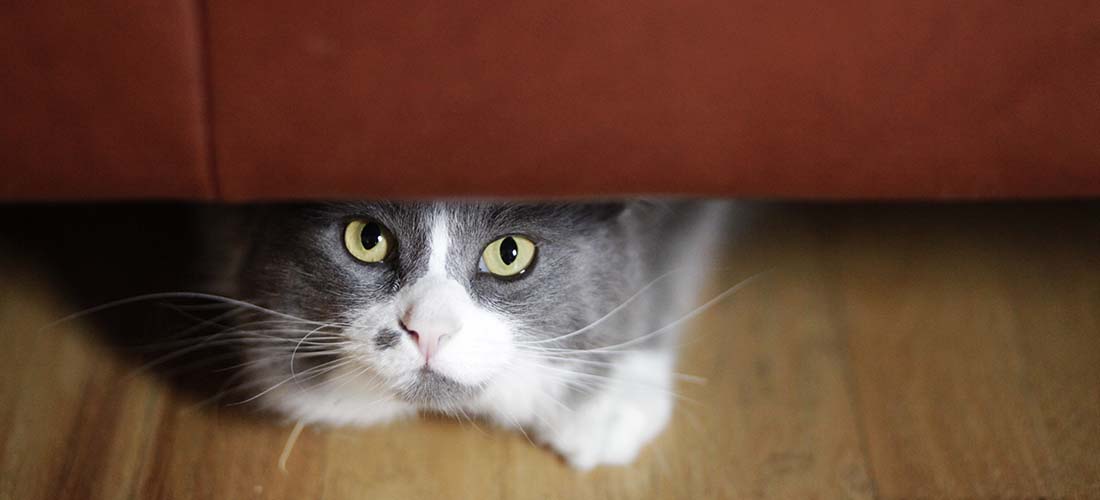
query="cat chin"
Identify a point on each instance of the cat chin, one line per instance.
(430, 390)
(363, 397)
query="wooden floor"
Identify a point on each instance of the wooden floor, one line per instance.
(891, 352)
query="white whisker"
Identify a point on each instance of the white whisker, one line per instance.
(668, 327)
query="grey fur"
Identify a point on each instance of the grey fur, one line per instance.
(386, 338)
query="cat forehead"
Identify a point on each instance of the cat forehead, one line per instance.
(472, 219)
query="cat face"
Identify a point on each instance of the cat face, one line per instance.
(435, 302)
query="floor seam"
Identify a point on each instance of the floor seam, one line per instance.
(833, 303)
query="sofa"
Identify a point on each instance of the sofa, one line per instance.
(280, 100)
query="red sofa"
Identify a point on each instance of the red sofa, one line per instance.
(239, 100)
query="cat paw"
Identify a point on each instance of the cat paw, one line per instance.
(610, 430)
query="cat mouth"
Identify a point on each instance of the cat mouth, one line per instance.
(431, 389)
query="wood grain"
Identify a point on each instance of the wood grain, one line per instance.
(975, 348)
(892, 352)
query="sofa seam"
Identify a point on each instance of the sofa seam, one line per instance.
(207, 99)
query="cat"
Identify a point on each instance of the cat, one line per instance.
(558, 319)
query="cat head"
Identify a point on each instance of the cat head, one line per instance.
(434, 301)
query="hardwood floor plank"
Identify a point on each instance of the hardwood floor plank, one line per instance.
(973, 340)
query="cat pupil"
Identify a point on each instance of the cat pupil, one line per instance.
(372, 234)
(508, 251)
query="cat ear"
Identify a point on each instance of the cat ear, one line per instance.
(606, 210)
(611, 209)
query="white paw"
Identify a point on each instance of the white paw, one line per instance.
(610, 430)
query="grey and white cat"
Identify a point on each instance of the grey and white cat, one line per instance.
(559, 319)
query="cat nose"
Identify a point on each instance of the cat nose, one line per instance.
(429, 331)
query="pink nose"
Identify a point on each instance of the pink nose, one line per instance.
(429, 332)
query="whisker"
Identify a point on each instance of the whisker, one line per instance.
(691, 314)
(354, 376)
(610, 313)
(254, 362)
(242, 337)
(222, 392)
(290, 444)
(321, 370)
(203, 323)
(298, 346)
(695, 379)
(209, 343)
(171, 295)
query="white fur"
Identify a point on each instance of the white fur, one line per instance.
(439, 243)
(525, 397)
(611, 428)
(351, 400)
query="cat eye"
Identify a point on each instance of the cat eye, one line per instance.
(507, 256)
(367, 240)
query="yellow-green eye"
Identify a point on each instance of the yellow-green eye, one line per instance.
(508, 256)
(367, 240)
